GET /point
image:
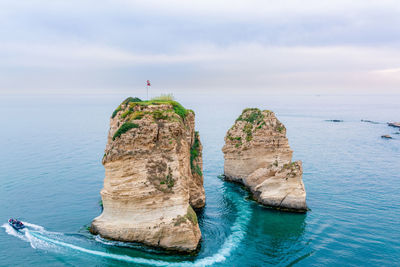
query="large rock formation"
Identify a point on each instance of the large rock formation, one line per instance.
(257, 154)
(153, 176)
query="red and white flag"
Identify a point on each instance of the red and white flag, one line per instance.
(148, 83)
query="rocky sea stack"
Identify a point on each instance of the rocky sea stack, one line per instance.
(257, 154)
(153, 176)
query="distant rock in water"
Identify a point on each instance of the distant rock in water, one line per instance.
(373, 122)
(394, 124)
(257, 154)
(335, 120)
(386, 136)
(153, 176)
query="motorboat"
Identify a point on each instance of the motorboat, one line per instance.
(16, 224)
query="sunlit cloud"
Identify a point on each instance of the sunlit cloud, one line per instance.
(388, 71)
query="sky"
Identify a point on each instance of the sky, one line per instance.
(307, 46)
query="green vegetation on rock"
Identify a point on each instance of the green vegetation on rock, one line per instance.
(131, 102)
(125, 102)
(251, 115)
(159, 115)
(261, 125)
(238, 138)
(169, 180)
(280, 128)
(238, 144)
(137, 115)
(164, 97)
(180, 220)
(292, 167)
(189, 216)
(234, 138)
(179, 109)
(116, 111)
(197, 170)
(248, 128)
(126, 113)
(133, 108)
(124, 128)
(194, 153)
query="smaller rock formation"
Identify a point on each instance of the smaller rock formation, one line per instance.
(257, 154)
(386, 136)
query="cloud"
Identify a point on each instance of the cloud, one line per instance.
(245, 65)
(259, 44)
(387, 71)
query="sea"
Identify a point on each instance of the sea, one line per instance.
(51, 146)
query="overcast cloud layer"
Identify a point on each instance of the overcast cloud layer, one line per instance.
(109, 46)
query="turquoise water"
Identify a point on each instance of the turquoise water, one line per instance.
(51, 175)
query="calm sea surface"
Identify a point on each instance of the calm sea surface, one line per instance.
(51, 174)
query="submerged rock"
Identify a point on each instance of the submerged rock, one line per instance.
(394, 124)
(369, 121)
(335, 120)
(153, 176)
(257, 154)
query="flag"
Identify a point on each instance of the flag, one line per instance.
(148, 83)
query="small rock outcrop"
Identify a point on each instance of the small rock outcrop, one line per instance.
(153, 176)
(394, 124)
(257, 154)
(335, 120)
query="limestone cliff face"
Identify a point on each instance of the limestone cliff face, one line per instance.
(257, 154)
(153, 176)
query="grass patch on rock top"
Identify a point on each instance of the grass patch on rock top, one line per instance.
(164, 97)
(176, 107)
(125, 102)
(251, 115)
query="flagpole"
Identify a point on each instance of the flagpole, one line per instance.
(147, 87)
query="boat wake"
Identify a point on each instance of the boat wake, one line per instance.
(39, 238)
(26, 234)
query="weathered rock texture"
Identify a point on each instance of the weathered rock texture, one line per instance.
(153, 176)
(257, 154)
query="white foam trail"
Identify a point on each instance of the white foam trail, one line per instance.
(105, 241)
(38, 243)
(34, 226)
(11, 231)
(238, 229)
(102, 254)
(25, 235)
(99, 239)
